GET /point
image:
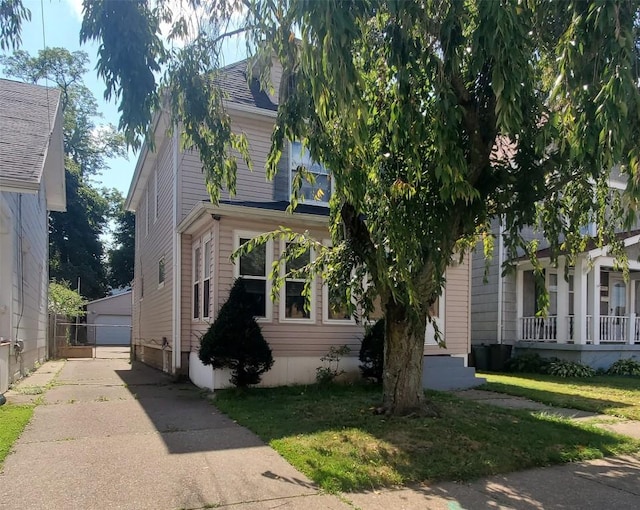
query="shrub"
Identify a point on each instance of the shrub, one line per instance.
(331, 368)
(372, 352)
(530, 363)
(625, 367)
(562, 368)
(235, 340)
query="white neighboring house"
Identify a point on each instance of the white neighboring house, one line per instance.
(109, 320)
(32, 182)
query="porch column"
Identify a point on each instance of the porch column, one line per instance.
(519, 301)
(631, 306)
(580, 302)
(595, 304)
(562, 298)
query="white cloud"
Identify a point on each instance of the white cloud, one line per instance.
(76, 8)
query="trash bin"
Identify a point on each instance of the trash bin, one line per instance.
(480, 355)
(499, 354)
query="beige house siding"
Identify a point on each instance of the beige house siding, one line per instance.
(457, 314)
(286, 338)
(251, 186)
(152, 313)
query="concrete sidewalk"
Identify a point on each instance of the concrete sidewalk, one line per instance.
(110, 435)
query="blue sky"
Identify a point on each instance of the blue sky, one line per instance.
(62, 20)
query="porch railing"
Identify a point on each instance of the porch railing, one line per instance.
(614, 328)
(540, 329)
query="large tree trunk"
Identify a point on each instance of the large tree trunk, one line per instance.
(403, 352)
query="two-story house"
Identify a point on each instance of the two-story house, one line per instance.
(183, 271)
(593, 315)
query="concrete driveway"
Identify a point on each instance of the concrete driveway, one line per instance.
(115, 436)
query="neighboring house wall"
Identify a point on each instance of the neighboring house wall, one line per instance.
(25, 243)
(489, 324)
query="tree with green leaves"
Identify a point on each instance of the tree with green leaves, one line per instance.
(75, 246)
(63, 300)
(121, 253)
(434, 117)
(13, 14)
(235, 341)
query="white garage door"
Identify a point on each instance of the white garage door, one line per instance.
(113, 329)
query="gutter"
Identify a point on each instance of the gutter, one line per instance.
(500, 281)
(177, 259)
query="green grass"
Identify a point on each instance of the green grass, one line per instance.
(613, 395)
(332, 436)
(13, 420)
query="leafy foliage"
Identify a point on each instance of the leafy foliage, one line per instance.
(65, 301)
(235, 341)
(372, 352)
(528, 363)
(625, 367)
(434, 118)
(12, 14)
(562, 368)
(330, 368)
(121, 254)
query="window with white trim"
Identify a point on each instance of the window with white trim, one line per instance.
(317, 192)
(155, 195)
(161, 272)
(253, 268)
(202, 269)
(206, 280)
(437, 311)
(292, 300)
(334, 306)
(146, 213)
(197, 258)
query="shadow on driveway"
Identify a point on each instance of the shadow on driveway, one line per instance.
(186, 420)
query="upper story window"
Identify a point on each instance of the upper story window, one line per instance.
(318, 192)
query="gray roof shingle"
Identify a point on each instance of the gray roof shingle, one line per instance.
(233, 81)
(27, 118)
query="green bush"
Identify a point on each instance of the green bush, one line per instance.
(372, 352)
(528, 363)
(562, 368)
(625, 367)
(235, 340)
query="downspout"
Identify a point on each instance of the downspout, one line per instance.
(177, 280)
(500, 281)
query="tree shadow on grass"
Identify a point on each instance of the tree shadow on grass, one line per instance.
(332, 435)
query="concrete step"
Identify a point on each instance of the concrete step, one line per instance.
(448, 373)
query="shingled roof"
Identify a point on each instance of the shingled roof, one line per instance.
(233, 81)
(27, 119)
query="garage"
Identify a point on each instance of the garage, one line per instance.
(109, 320)
(113, 329)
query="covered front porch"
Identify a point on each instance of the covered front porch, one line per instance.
(595, 305)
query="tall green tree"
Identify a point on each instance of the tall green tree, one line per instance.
(121, 253)
(75, 246)
(434, 116)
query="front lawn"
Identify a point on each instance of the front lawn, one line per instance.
(331, 435)
(614, 395)
(13, 420)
